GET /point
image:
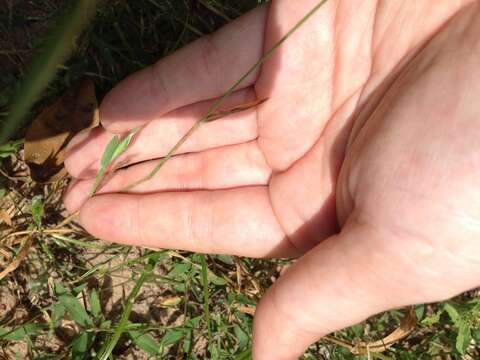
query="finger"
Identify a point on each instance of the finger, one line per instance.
(203, 70)
(225, 167)
(341, 282)
(236, 221)
(341, 32)
(156, 138)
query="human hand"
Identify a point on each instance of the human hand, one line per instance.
(364, 161)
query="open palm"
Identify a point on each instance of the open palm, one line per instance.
(364, 159)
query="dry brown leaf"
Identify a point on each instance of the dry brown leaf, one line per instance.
(55, 126)
(18, 260)
(5, 217)
(408, 324)
(171, 301)
(246, 309)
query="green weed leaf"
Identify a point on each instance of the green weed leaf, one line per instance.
(452, 312)
(241, 337)
(172, 337)
(464, 337)
(215, 279)
(9, 148)
(180, 271)
(60, 289)
(226, 259)
(432, 319)
(76, 310)
(95, 304)
(145, 342)
(37, 210)
(58, 312)
(81, 345)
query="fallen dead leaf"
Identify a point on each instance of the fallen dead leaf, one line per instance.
(18, 260)
(55, 126)
(171, 301)
(408, 324)
(5, 217)
(246, 309)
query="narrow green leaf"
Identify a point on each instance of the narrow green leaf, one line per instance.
(21, 332)
(452, 312)
(145, 342)
(107, 156)
(123, 145)
(37, 210)
(95, 304)
(464, 337)
(113, 150)
(76, 310)
(106, 160)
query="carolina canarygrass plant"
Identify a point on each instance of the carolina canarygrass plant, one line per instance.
(116, 147)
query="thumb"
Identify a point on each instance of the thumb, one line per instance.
(341, 282)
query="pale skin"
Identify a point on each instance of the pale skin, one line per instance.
(364, 162)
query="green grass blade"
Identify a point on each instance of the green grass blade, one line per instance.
(45, 65)
(127, 310)
(206, 307)
(123, 145)
(107, 156)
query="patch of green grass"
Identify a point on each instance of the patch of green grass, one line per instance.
(78, 294)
